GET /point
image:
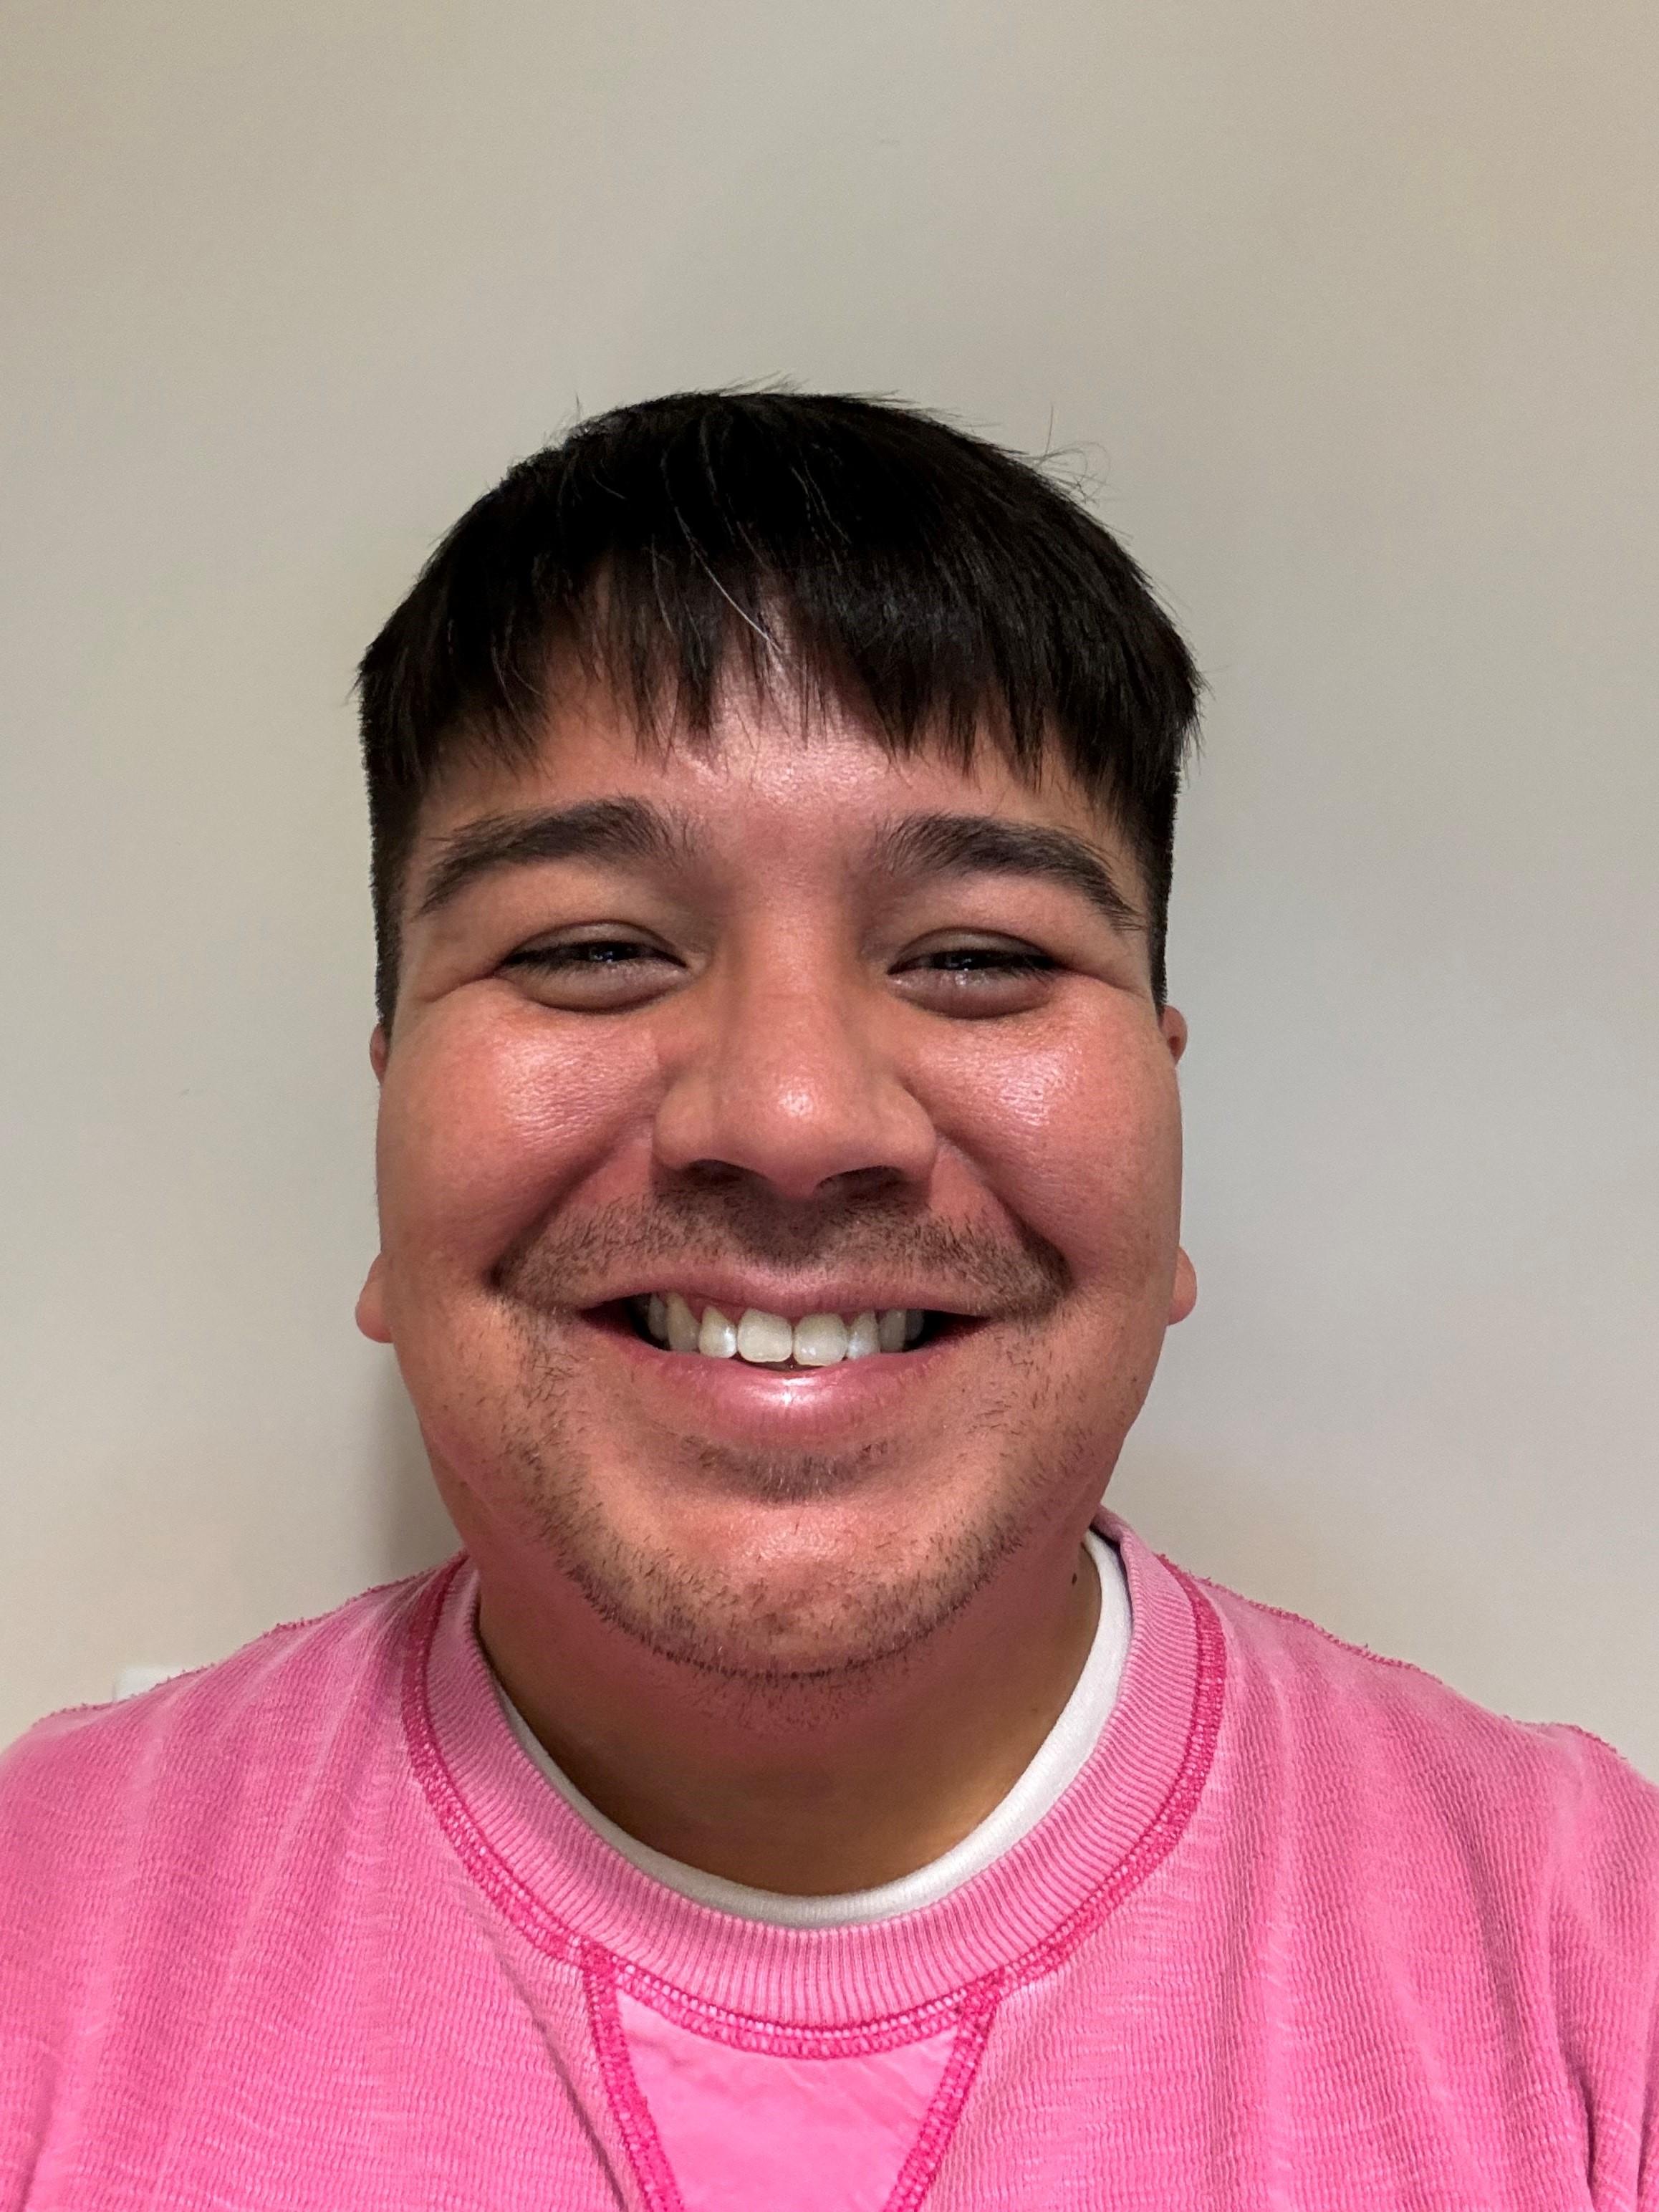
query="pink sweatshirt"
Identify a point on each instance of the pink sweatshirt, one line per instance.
(308, 1932)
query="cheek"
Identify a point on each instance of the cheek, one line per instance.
(1078, 1133)
(486, 1120)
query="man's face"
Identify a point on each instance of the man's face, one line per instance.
(776, 1026)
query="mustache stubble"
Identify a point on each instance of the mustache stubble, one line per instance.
(569, 1264)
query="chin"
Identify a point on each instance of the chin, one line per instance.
(811, 1577)
(750, 1629)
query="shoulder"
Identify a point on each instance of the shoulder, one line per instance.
(1388, 1714)
(93, 1797)
(139, 1839)
(1411, 1770)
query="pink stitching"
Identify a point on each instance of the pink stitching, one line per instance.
(1284, 1612)
(979, 2009)
(1162, 1831)
(632, 2113)
(475, 1852)
(976, 2010)
(745, 2031)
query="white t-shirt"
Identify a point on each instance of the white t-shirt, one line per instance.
(1056, 1762)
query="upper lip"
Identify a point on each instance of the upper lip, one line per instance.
(734, 1294)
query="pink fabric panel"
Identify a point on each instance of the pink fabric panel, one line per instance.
(792, 2134)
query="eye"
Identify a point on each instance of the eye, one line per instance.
(988, 960)
(977, 978)
(601, 973)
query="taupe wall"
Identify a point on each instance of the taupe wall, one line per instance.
(1352, 311)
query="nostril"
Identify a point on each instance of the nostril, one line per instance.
(714, 1175)
(801, 1138)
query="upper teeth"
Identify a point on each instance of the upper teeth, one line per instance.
(768, 1340)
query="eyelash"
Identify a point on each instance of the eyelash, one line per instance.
(1015, 961)
(555, 959)
(953, 960)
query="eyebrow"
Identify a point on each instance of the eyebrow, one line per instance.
(596, 829)
(987, 844)
(633, 830)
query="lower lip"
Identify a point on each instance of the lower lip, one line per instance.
(762, 1404)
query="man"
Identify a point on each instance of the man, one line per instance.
(799, 1795)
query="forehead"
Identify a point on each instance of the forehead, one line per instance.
(765, 780)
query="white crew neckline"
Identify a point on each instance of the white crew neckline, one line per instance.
(1055, 1764)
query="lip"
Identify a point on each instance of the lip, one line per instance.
(732, 1402)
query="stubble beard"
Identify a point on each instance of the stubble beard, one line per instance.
(860, 1619)
(863, 1617)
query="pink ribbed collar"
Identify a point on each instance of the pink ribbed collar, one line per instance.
(576, 1897)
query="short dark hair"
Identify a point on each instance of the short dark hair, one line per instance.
(944, 589)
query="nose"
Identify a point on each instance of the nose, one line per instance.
(785, 1075)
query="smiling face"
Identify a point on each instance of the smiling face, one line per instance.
(775, 1027)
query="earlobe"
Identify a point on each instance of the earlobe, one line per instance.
(1173, 1023)
(378, 1046)
(1184, 1295)
(371, 1301)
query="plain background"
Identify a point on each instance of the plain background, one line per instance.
(1349, 314)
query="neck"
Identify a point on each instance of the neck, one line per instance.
(805, 1789)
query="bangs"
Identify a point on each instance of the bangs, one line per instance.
(811, 551)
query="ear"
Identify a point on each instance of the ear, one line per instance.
(1183, 1295)
(371, 1302)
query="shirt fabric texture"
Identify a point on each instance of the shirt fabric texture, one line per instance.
(308, 1932)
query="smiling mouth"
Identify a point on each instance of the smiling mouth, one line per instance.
(675, 1324)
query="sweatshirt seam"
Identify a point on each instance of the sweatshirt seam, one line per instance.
(556, 1937)
(1168, 1823)
(1531, 1730)
(973, 2011)
(641, 2140)
(972, 2014)
(1301, 1620)
(976, 2011)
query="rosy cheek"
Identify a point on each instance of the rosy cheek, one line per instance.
(1076, 1134)
(495, 1115)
